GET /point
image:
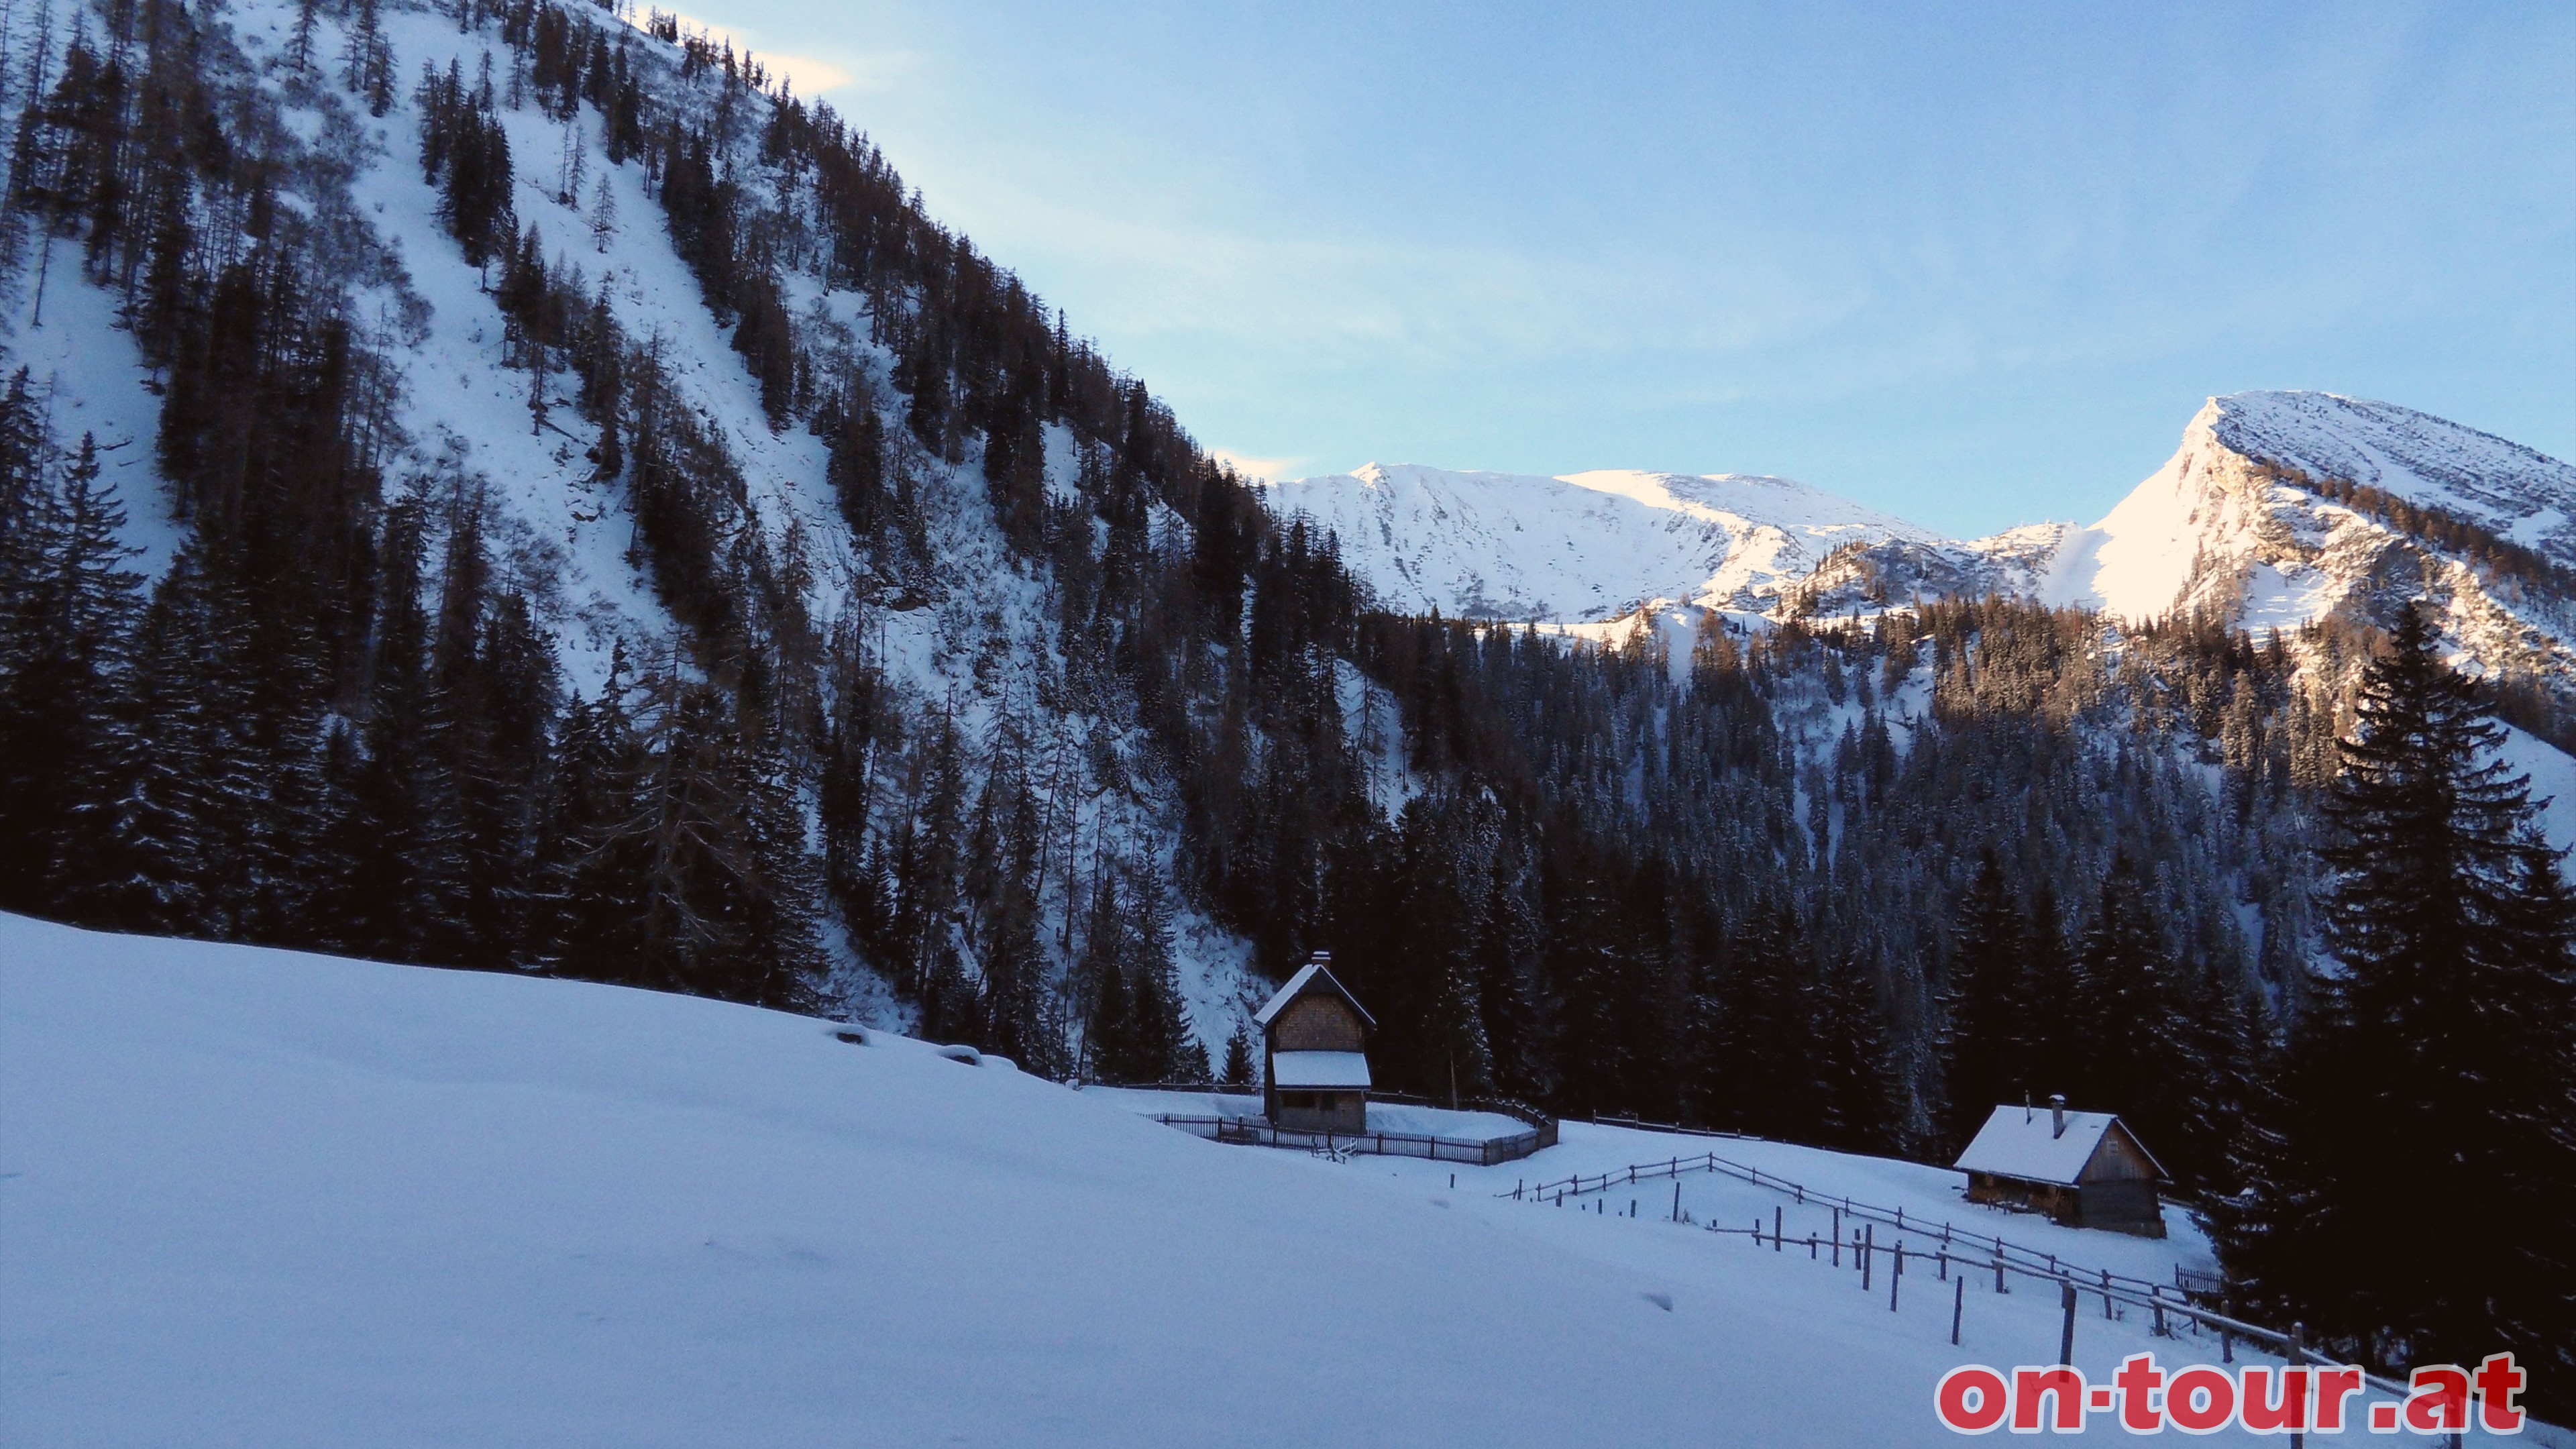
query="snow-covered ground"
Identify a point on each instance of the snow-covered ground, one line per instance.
(255, 1197)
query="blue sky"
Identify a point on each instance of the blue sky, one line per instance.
(1973, 265)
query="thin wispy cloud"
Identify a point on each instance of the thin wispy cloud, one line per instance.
(1267, 470)
(855, 73)
(1931, 266)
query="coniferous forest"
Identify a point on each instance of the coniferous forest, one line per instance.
(1847, 882)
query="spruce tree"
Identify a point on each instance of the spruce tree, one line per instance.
(2409, 1197)
(1237, 1071)
(67, 612)
(1857, 1099)
(1985, 1048)
(2130, 1045)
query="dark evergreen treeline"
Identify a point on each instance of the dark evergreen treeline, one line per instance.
(1758, 893)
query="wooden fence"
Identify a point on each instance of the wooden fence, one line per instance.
(1499, 1106)
(1957, 1256)
(1255, 1132)
(2193, 1286)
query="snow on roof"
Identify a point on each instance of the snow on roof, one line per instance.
(2023, 1142)
(1297, 986)
(1319, 1069)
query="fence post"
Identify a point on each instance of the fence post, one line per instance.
(2299, 1355)
(1999, 1276)
(1677, 1200)
(1958, 1305)
(1775, 1227)
(1868, 1241)
(1896, 1275)
(1945, 1265)
(1838, 1237)
(2066, 1335)
(2226, 1335)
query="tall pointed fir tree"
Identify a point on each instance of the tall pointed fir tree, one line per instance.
(1985, 1049)
(67, 612)
(2132, 1046)
(2409, 1191)
(1237, 1071)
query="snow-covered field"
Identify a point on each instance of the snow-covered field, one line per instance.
(254, 1197)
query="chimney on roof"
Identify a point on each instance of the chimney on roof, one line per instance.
(1320, 958)
(2057, 1116)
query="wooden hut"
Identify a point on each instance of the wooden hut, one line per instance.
(1314, 1060)
(2083, 1169)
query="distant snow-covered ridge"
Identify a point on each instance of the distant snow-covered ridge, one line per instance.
(1584, 547)
(2277, 509)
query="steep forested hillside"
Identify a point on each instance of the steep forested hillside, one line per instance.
(781, 603)
(577, 512)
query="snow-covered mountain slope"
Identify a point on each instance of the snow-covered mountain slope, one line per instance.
(974, 641)
(2251, 487)
(1585, 547)
(252, 1196)
(2280, 508)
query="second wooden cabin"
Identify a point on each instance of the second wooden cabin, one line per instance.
(2083, 1169)
(1314, 1053)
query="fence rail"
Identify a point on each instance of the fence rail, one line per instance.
(2170, 1305)
(1499, 1106)
(1254, 1132)
(2185, 1284)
